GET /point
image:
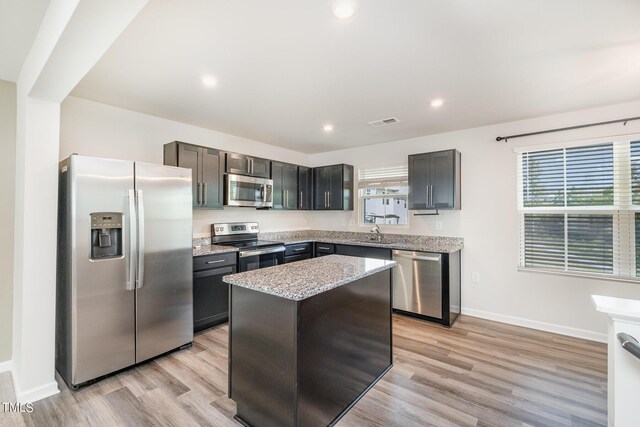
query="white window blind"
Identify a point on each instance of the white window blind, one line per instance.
(579, 208)
(383, 195)
(378, 176)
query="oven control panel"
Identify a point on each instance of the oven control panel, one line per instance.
(235, 228)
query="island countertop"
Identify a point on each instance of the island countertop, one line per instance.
(303, 279)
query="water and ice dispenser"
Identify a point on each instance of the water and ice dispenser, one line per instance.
(106, 235)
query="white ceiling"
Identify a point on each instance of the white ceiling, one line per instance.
(19, 23)
(287, 67)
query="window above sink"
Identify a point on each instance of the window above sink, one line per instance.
(383, 195)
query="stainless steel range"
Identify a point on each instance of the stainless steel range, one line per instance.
(254, 253)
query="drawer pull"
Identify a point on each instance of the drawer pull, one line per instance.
(324, 248)
(299, 249)
(215, 262)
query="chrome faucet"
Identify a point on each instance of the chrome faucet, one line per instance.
(376, 229)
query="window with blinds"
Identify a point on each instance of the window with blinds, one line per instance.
(383, 195)
(579, 209)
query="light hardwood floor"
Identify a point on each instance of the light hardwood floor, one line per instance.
(479, 373)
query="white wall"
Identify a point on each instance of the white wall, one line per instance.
(7, 207)
(488, 221)
(93, 129)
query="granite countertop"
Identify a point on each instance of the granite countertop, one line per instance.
(407, 242)
(213, 249)
(440, 245)
(303, 279)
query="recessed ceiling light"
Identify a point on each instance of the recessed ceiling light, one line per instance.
(209, 81)
(343, 9)
(328, 127)
(437, 103)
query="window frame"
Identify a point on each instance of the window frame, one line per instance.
(624, 250)
(393, 182)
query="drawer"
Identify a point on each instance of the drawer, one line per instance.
(363, 251)
(325, 248)
(207, 262)
(294, 258)
(297, 249)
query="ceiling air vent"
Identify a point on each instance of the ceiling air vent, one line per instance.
(384, 122)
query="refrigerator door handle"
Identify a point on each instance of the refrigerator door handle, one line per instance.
(131, 274)
(140, 273)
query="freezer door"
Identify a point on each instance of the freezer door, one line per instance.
(164, 303)
(101, 301)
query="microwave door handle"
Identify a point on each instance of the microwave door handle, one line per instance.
(140, 275)
(133, 247)
(263, 192)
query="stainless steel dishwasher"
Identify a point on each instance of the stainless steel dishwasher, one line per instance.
(427, 285)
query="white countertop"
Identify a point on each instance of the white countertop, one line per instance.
(617, 306)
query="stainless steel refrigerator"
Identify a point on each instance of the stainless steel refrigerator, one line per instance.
(124, 274)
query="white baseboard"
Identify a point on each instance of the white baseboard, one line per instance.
(6, 366)
(33, 394)
(534, 324)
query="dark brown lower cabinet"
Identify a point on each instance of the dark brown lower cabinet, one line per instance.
(298, 252)
(210, 293)
(305, 363)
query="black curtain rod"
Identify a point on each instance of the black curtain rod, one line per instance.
(506, 138)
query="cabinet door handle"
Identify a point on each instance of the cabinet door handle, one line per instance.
(251, 166)
(198, 194)
(300, 204)
(287, 197)
(204, 194)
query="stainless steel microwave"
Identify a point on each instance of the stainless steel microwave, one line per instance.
(248, 191)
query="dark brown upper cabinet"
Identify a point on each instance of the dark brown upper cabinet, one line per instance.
(333, 187)
(285, 185)
(240, 164)
(207, 167)
(305, 188)
(434, 180)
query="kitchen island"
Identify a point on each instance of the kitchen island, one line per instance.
(308, 339)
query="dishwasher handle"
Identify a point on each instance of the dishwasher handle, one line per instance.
(398, 254)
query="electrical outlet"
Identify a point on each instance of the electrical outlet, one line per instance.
(438, 225)
(475, 277)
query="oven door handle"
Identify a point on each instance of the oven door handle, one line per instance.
(244, 254)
